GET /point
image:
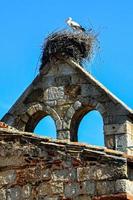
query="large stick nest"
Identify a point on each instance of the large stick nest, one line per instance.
(66, 44)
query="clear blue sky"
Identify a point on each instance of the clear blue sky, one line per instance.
(25, 24)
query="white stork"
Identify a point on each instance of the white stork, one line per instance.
(74, 25)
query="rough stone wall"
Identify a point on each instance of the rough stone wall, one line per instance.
(33, 168)
(66, 92)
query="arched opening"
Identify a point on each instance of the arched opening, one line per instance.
(90, 129)
(46, 127)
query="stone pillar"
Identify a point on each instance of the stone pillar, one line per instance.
(119, 136)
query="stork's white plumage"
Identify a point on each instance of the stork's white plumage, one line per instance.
(74, 25)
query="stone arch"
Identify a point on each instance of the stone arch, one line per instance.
(78, 116)
(35, 113)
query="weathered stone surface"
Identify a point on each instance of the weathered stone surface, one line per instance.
(31, 111)
(60, 170)
(73, 190)
(51, 188)
(7, 177)
(77, 105)
(3, 194)
(80, 93)
(65, 175)
(124, 185)
(66, 125)
(70, 112)
(86, 173)
(102, 172)
(115, 128)
(121, 142)
(14, 193)
(10, 161)
(88, 89)
(26, 191)
(46, 174)
(88, 187)
(105, 187)
(121, 185)
(35, 168)
(64, 135)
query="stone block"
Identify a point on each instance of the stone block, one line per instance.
(63, 80)
(46, 174)
(105, 187)
(3, 194)
(46, 82)
(64, 135)
(102, 172)
(11, 161)
(124, 185)
(129, 127)
(77, 105)
(26, 191)
(75, 189)
(130, 186)
(88, 89)
(88, 187)
(120, 186)
(71, 190)
(121, 142)
(7, 177)
(51, 103)
(33, 174)
(129, 140)
(31, 111)
(50, 188)
(70, 112)
(111, 129)
(86, 173)
(35, 151)
(14, 193)
(66, 125)
(65, 175)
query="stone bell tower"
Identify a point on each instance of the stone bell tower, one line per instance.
(63, 169)
(66, 92)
